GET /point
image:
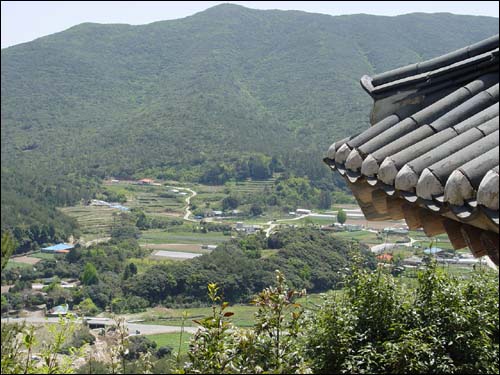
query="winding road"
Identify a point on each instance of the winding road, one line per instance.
(188, 203)
(272, 224)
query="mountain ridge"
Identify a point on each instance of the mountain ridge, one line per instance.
(178, 97)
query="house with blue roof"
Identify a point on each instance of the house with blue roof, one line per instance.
(433, 250)
(59, 310)
(59, 248)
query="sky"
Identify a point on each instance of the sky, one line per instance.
(23, 21)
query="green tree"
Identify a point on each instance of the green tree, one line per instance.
(142, 220)
(272, 345)
(130, 270)
(255, 210)
(89, 275)
(8, 246)
(19, 342)
(88, 307)
(230, 203)
(325, 200)
(341, 216)
(446, 325)
(259, 170)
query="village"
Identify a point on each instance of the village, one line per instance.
(194, 235)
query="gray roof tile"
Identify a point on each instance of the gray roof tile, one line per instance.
(487, 193)
(437, 62)
(432, 151)
(464, 181)
(434, 138)
(434, 177)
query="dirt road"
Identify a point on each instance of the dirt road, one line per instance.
(188, 203)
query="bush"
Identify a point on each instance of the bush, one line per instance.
(163, 351)
(81, 337)
(138, 345)
(88, 307)
(447, 326)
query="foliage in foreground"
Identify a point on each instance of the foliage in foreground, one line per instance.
(19, 343)
(445, 325)
(272, 346)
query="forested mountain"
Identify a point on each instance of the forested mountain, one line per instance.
(177, 98)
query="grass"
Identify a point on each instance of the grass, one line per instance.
(268, 253)
(243, 313)
(362, 236)
(307, 220)
(243, 316)
(172, 340)
(163, 237)
(143, 264)
(153, 203)
(124, 189)
(12, 265)
(44, 256)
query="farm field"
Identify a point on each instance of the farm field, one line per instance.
(250, 186)
(176, 255)
(153, 200)
(172, 340)
(26, 259)
(166, 200)
(186, 248)
(12, 264)
(94, 221)
(243, 313)
(156, 203)
(366, 237)
(41, 255)
(162, 237)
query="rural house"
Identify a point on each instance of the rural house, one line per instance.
(60, 248)
(431, 155)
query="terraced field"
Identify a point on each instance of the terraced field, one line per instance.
(94, 221)
(253, 186)
(158, 202)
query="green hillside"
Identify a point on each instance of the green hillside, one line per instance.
(176, 98)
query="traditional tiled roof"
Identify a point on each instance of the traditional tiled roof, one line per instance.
(431, 155)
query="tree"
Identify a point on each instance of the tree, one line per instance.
(276, 165)
(124, 231)
(142, 221)
(88, 307)
(341, 216)
(89, 276)
(230, 203)
(445, 325)
(73, 256)
(8, 246)
(272, 345)
(258, 168)
(325, 199)
(255, 210)
(19, 342)
(130, 270)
